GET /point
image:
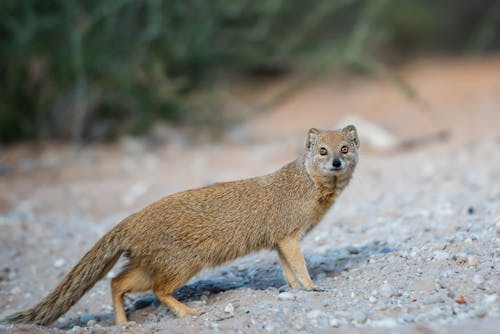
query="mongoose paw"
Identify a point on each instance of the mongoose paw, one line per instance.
(188, 312)
(196, 312)
(284, 288)
(315, 288)
(128, 324)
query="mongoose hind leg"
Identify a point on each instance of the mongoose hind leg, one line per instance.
(294, 266)
(129, 280)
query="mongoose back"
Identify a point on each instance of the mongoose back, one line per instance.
(171, 240)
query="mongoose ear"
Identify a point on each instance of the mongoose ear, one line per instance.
(351, 134)
(312, 134)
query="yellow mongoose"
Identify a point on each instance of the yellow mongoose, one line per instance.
(171, 240)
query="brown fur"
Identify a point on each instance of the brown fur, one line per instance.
(171, 240)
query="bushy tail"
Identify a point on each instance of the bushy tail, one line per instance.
(91, 268)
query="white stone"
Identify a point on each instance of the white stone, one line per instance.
(314, 314)
(489, 299)
(334, 322)
(229, 308)
(287, 296)
(478, 279)
(59, 263)
(386, 323)
(440, 255)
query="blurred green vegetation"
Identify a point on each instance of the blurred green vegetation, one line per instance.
(96, 69)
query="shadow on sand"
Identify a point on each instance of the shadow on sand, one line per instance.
(328, 263)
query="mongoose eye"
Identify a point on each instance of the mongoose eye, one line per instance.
(344, 149)
(323, 151)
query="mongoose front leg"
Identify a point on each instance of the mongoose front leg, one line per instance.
(176, 307)
(163, 289)
(287, 273)
(293, 264)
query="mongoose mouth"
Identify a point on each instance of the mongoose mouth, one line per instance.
(336, 169)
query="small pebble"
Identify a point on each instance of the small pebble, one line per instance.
(461, 258)
(79, 330)
(490, 299)
(86, 317)
(359, 317)
(435, 312)
(326, 302)
(478, 279)
(461, 300)
(440, 255)
(385, 250)
(287, 296)
(481, 312)
(386, 291)
(334, 322)
(323, 324)
(352, 249)
(408, 318)
(91, 323)
(384, 323)
(433, 299)
(269, 328)
(314, 314)
(15, 290)
(472, 260)
(59, 263)
(229, 308)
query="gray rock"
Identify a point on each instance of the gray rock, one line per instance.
(86, 317)
(352, 249)
(385, 250)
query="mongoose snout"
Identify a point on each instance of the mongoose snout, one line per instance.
(336, 163)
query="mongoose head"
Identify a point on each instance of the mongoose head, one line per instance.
(331, 153)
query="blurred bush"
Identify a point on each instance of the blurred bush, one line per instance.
(92, 70)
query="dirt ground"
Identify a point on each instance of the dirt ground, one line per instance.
(413, 244)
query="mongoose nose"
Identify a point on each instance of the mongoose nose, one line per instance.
(336, 163)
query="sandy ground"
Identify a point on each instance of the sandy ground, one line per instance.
(413, 244)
